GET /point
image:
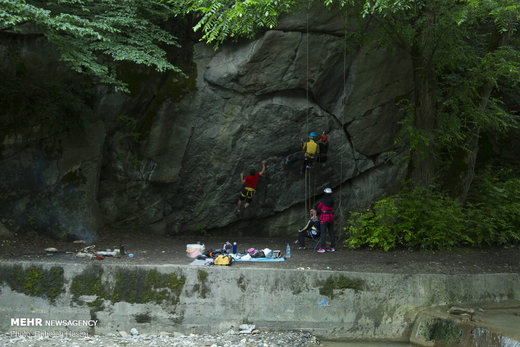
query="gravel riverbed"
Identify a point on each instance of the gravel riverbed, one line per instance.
(228, 339)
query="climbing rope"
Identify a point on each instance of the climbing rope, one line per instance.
(307, 174)
(340, 213)
(310, 189)
(306, 190)
(314, 190)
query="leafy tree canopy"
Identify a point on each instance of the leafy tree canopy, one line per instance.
(220, 20)
(91, 35)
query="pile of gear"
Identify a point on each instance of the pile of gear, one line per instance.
(228, 253)
(259, 253)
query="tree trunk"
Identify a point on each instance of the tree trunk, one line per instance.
(422, 168)
(462, 169)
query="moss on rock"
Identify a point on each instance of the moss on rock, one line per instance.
(133, 286)
(34, 280)
(202, 287)
(242, 283)
(339, 283)
(445, 332)
(75, 178)
(143, 318)
(95, 307)
(88, 283)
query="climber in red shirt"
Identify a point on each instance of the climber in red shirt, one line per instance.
(250, 186)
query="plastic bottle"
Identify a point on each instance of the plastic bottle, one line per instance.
(288, 251)
(234, 248)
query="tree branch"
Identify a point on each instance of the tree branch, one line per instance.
(13, 26)
(392, 33)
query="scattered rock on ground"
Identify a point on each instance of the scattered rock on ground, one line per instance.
(228, 339)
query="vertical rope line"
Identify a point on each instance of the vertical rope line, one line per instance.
(314, 190)
(307, 177)
(307, 71)
(305, 185)
(340, 206)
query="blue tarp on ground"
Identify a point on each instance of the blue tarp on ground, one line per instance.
(260, 259)
(203, 262)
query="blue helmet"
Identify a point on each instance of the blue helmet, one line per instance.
(312, 134)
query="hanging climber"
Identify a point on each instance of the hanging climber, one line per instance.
(310, 150)
(323, 145)
(250, 186)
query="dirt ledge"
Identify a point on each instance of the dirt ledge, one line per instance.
(160, 249)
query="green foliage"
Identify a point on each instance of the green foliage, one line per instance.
(428, 219)
(418, 141)
(494, 210)
(92, 36)
(470, 46)
(129, 129)
(32, 104)
(420, 218)
(220, 20)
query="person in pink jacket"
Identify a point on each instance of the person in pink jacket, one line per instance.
(325, 208)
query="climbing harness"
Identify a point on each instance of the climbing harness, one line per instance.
(248, 193)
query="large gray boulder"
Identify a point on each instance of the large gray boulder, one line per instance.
(168, 158)
(50, 159)
(255, 101)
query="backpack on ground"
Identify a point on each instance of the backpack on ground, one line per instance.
(224, 260)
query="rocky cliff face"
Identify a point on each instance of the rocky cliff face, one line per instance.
(168, 157)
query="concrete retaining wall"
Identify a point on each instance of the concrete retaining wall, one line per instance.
(346, 305)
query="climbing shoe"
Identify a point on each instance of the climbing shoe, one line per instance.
(321, 250)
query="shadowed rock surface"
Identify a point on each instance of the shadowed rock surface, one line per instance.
(167, 157)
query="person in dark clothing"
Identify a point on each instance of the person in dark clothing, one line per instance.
(323, 145)
(325, 207)
(310, 230)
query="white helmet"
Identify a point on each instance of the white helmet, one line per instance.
(327, 190)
